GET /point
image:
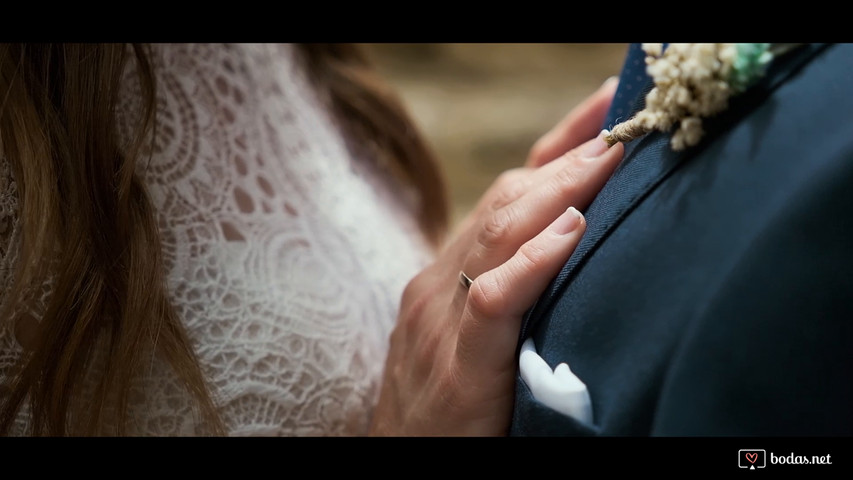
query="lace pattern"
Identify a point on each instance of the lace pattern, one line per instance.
(286, 251)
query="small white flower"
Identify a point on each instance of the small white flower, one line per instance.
(692, 81)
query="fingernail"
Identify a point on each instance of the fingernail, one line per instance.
(595, 147)
(609, 80)
(567, 222)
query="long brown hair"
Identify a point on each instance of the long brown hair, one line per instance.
(88, 230)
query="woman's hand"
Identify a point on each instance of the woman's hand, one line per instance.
(451, 367)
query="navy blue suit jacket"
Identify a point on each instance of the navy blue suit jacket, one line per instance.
(712, 293)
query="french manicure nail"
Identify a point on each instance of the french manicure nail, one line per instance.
(609, 80)
(567, 222)
(595, 147)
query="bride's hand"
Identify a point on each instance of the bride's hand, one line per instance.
(451, 367)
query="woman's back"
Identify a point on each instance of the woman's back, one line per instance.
(286, 247)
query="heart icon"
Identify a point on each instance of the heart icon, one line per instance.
(752, 457)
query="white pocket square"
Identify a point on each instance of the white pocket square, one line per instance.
(560, 389)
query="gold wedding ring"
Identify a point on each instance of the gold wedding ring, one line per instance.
(465, 280)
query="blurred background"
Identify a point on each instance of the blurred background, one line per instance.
(482, 106)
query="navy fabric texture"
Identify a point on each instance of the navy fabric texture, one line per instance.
(711, 292)
(633, 82)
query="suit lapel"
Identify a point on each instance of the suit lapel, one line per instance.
(633, 83)
(647, 163)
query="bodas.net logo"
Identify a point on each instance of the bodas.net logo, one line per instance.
(751, 458)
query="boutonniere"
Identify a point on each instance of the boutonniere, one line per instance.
(694, 81)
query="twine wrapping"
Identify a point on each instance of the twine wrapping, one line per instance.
(692, 81)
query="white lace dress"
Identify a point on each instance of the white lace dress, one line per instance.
(287, 251)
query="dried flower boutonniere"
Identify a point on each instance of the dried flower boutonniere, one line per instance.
(694, 81)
